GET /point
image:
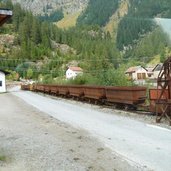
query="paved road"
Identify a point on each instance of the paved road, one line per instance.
(141, 144)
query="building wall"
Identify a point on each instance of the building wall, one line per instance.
(139, 73)
(156, 74)
(2, 82)
(71, 74)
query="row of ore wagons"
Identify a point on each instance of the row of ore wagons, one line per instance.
(121, 96)
(127, 97)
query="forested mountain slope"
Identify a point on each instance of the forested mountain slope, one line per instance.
(140, 20)
(136, 31)
(35, 51)
(42, 50)
(98, 12)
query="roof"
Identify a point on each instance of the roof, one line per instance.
(149, 69)
(134, 69)
(75, 69)
(158, 67)
(5, 14)
(5, 72)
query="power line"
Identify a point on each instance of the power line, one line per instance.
(86, 60)
(51, 71)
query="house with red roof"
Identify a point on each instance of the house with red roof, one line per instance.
(73, 71)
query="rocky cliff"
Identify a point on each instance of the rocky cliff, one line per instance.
(42, 6)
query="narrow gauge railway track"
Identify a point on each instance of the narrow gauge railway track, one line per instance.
(140, 110)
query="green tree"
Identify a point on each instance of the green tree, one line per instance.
(29, 73)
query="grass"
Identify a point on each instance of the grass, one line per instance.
(112, 25)
(68, 21)
(3, 93)
(155, 61)
(3, 158)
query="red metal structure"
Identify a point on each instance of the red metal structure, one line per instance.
(164, 87)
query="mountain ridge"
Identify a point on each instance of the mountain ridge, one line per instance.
(47, 6)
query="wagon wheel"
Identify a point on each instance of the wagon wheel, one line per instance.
(102, 101)
(96, 102)
(120, 106)
(158, 120)
(133, 107)
(114, 106)
(126, 107)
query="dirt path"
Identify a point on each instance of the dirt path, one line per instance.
(31, 140)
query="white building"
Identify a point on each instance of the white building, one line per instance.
(150, 72)
(72, 72)
(2, 81)
(137, 73)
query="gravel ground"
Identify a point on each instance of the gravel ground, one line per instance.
(32, 140)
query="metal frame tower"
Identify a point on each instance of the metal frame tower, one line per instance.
(164, 97)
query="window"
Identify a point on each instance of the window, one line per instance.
(0, 83)
(141, 76)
